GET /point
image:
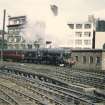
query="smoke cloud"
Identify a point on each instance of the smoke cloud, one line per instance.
(34, 31)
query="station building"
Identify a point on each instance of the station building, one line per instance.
(90, 59)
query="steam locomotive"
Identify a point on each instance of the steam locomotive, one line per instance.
(51, 56)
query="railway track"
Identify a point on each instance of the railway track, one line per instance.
(65, 95)
(23, 89)
(4, 101)
(38, 90)
(8, 98)
(67, 75)
(52, 92)
(83, 77)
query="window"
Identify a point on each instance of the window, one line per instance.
(16, 46)
(87, 42)
(78, 42)
(87, 26)
(17, 31)
(91, 60)
(10, 39)
(98, 60)
(71, 26)
(10, 32)
(23, 45)
(78, 34)
(87, 34)
(16, 21)
(84, 59)
(78, 26)
(17, 39)
(76, 58)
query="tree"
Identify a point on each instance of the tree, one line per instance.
(104, 46)
(5, 44)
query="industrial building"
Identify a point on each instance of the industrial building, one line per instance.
(90, 59)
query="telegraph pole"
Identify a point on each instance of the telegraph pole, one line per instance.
(3, 32)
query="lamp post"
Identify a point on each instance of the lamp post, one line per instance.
(2, 47)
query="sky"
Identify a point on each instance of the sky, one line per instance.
(39, 10)
(72, 9)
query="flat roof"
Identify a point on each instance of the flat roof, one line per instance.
(88, 50)
(85, 22)
(17, 17)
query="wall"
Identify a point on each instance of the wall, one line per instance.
(103, 61)
(80, 65)
(99, 40)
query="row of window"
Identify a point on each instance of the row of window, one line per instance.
(80, 26)
(10, 46)
(86, 34)
(91, 60)
(12, 39)
(17, 21)
(79, 42)
(15, 31)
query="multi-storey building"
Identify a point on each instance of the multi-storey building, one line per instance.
(100, 25)
(99, 31)
(15, 31)
(82, 35)
(22, 34)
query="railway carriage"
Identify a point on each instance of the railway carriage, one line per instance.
(12, 55)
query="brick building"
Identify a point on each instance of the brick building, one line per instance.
(90, 59)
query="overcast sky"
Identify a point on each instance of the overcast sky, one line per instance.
(72, 9)
(69, 10)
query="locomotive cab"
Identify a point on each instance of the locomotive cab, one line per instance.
(66, 57)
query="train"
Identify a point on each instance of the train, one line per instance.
(51, 56)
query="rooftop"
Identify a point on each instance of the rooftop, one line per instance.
(88, 50)
(16, 17)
